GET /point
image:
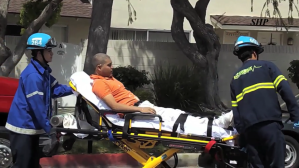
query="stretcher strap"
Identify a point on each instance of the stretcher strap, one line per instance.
(126, 128)
(209, 128)
(110, 136)
(78, 110)
(209, 146)
(181, 120)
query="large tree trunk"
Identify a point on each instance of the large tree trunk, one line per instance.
(98, 31)
(16, 56)
(4, 51)
(206, 52)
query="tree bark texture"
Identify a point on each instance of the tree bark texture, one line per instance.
(4, 51)
(13, 59)
(98, 31)
(206, 52)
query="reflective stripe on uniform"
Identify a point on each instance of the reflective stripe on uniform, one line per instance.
(34, 93)
(54, 83)
(23, 130)
(234, 104)
(266, 85)
(278, 80)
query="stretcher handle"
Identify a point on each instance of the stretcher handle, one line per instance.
(132, 115)
(107, 112)
(104, 112)
(129, 117)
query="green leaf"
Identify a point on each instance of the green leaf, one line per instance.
(27, 15)
(178, 87)
(131, 77)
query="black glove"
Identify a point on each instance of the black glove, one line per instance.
(53, 145)
(242, 141)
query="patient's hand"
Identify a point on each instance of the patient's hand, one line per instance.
(148, 110)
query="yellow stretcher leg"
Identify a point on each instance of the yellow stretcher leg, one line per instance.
(151, 163)
(141, 157)
(137, 153)
(133, 149)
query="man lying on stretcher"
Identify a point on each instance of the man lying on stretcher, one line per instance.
(119, 99)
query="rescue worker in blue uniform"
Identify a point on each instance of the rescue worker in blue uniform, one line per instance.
(256, 108)
(31, 108)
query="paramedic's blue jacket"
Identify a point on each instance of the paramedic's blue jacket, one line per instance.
(31, 107)
(254, 98)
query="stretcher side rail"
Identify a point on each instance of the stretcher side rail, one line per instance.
(129, 116)
(168, 141)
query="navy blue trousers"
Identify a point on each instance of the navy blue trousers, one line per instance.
(266, 145)
(25, 150)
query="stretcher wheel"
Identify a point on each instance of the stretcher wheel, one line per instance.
(68, 144)
(52, 147)
(205, 160)
(165, 165)
(176, 160)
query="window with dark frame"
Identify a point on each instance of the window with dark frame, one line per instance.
(13, 30)
(142, 35)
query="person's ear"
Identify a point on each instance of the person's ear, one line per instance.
(99, 66)
(41, 52)
(254, 54)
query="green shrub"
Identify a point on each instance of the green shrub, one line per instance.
(131, 77)
(145, 94)
(294, 72)
(177, 87)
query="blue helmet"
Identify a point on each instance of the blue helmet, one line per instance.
(245, 42)
(40, 41)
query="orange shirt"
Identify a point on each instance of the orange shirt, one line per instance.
(103, 86)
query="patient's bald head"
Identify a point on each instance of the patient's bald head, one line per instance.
(99, 58)
(102, 64)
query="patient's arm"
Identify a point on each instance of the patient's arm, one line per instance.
(110, 101)
(101, 90)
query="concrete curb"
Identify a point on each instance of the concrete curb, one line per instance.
(108, 160)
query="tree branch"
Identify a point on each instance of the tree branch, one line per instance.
(3, 17)
(185, 8)
(181, 40)
(200, 9)
(4, 51)
(13, 60)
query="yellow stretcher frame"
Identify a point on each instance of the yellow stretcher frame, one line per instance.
(134, 149)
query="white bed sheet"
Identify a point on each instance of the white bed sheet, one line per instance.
(193, 125)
